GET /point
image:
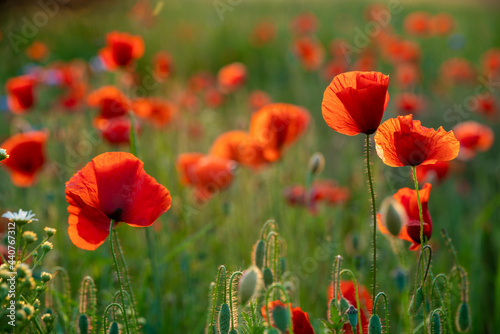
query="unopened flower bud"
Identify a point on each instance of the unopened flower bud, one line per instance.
(352, 316)
(50, 231)
(248, 284)
(29, 237)
(316, 163)
(47, 246)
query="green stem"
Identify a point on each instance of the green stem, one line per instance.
(34, 250)
(374, 214)
(233, 313)
(155, 272)
(111, 232)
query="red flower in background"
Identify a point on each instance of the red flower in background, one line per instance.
(441, 24)
(162, 65)
(263, 33)
(231, 77)
(208, 174)
(258, 99)
(417, 23)
(26, 156)
(239, 146)
(402, 51)
(110, 101)
(121, 49)
(300, 319)
(402, 142)
(37, 51)
(473, 138)
(160, 112)
(410, 229)
(20, 94)
(321, 191)
(407, 74)
(434, 172)
(305, 23)
(408, 103)
(114, 186)
(486, 105)
(349, 293)
(278, 125)
(213, 98)
(116, 130)
(335, 67)
(354, 102)
(457, 70)
(491, 62)
(310, 52)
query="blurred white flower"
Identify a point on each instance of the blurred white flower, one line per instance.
(22, 217)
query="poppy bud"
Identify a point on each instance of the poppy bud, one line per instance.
(280, 316)
(344, 305)
(248, 284)
(393, 215)
(224, 319)
(83, 324)
(416, 301)
(374, 327)
(272, 330)
(435, 323)
(316, 164)
(113, 329)
(268, 277)
(352, 316)
(399, 277)
(259, 252)
(462, 320)
(3, 154)
(282, 265)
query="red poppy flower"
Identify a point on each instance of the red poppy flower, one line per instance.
(486, 105)
(354, 102)
(404, 142)
(74, 96)
(410, 228)
(407, 74)
(321, 191)
(213, 98)
(116, 130)
(417, 23)
(201, 81)
(402, 51)
(408, 103)
(114, 186)
(156, 110)
(121, 50)
(239, 146)
(110, 101)
(491, 62)
(304, 23)
(310, 52)
(473, 138)
(295, 195)
(208, 174)
(441, 24)
(231, 77)
(37, 51)
(263, 33)
(376, 11)
(349, 293)
(26, 156)
(278, 125)
(300, 319)
(258, 99)
(457, 70)
(434, 172)
(335, 67)
(365, 63)
(143, 12)
(163, 65)
(20, 95)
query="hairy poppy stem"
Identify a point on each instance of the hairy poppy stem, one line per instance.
(111, 232)
(374, 213)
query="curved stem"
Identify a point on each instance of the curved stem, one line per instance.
(118, 275)
(239, 273)
(374, 213)
(356, 293)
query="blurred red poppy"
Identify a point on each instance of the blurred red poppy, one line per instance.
(300, 319)
(417, 23)
(473, 138)
(160, 112)
(121, 49)
(162, 65)
(354, 102)
(304, 23)
(258, 99)
(410, 227)
(114, 186)
(348, 292)
(327, 191)
(402, 51)
(201, 81)
(239, 146)
(402, 141)
(26, 156)
(457, 70)
(110, 101)
(408, 103)
(213, 98)
(116, 130)
(491, 62)
(310, 52)
(486, 105)
(407, 74)
(436, 172)
(37, 51)
(278, 125)
(263, 33)
(335, 67)
(441, 24)
(20, 94)
(208, 174)
(231, 77)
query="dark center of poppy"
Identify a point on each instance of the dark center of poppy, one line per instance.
(413, 229)
(116, 215)
(122, 53)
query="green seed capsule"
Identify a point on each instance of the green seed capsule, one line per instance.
(268, 277)
(83, 324)
(280, 317)
(259, 253)
(462, 320)
(352, 316)
(113, 329)
(224, 319)
(374, 327)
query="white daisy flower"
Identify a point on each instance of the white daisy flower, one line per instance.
(22, 217)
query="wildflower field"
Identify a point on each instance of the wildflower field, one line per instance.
(235, 166)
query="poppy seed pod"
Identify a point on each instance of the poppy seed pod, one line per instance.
(259, 252)
(113, 329)
(352, 316)
(280, 317)
(83, 324)
(268, 277)
(316, 163)
(462, 320)
(416, 301)
(248, 284)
